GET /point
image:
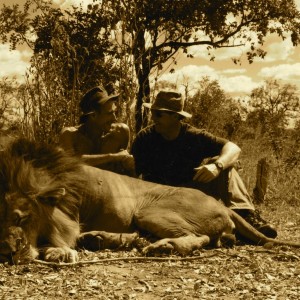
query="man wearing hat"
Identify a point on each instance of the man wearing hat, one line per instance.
(175, 153)
(98, 139)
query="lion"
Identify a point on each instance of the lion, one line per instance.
(50, 202)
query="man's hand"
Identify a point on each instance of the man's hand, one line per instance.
(206, 173)
(126, 159)
(116, 128)
(122, 154)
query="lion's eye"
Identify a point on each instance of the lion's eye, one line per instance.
(21, 221)
(20, 218)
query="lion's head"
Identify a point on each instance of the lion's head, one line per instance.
(40, 187)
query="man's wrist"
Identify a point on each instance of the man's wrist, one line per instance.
(219, 165)
(114, 156)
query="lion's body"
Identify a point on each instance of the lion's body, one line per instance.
(119, 203)
(53, 198)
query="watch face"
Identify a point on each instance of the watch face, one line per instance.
(219, 165)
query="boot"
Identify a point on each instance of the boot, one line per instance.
(253, 217)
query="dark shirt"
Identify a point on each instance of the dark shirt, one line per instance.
(173, 162)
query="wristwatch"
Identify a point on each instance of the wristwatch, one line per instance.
(219, 165)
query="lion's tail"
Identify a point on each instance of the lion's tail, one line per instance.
(249, 232)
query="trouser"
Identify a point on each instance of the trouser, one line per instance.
(229, 188)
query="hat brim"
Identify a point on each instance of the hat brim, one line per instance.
(182, 112)
(111, 97)
(103, 101)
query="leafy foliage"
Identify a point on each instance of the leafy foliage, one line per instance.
(74, 50)
(276, 102)
(274, 105)
(159, 30)
(8, 92)
(119, 44)
(15, 25)
(213, 110)
(96, 45)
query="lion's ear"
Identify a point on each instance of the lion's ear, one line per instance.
(51, 197)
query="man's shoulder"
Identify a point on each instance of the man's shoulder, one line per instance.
(70, 133)
(202, 134)
(192, 130)
(144, 138)
(149, 130)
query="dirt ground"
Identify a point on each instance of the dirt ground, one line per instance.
(244, 272)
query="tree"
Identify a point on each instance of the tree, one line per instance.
(159, 29)
(8, 92)
(156, 30)
(72, 52)
(213, 110)
(274, 104)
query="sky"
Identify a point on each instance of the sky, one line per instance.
(282, 63)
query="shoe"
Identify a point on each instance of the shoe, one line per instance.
(254, 218)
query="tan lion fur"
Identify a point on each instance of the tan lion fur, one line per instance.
(53, 198)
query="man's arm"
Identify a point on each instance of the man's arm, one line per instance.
(229, 154)
(66, 139)
(228, 157)
(69, 137)
(99, 159)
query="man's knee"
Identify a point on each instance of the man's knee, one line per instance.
(117, 139)
(121, 128)
(121, 133)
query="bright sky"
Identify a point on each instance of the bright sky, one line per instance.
(282, 62)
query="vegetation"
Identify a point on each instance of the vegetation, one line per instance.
(121, 43)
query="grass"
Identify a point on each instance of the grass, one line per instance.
(282, 200)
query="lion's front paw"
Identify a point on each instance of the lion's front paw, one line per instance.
(61, 254)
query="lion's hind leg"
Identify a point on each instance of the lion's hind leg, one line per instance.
(175, 231)
(183, 245)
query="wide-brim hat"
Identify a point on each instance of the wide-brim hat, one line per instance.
(169, 101)
(94, 99)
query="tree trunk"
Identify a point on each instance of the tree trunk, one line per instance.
(262, 176)
(142, 96)
(142, 69)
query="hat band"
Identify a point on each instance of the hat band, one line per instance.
(173, 105)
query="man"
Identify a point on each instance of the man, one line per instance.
(99, 140)
(174, 153)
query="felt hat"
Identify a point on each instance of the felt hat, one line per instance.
(94, 98)
(169, 101)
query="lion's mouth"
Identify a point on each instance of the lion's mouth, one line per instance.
(14, 248)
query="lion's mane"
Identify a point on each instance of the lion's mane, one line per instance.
(34, 168)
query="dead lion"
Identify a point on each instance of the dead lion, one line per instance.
(47, 199)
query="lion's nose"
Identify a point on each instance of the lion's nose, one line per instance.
(7, 247)
(19, 243)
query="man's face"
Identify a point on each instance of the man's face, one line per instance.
(106, 115)
(163, 120)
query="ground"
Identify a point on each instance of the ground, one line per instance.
(244, 272)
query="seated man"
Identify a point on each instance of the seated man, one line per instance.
(98, 139)
(174, 153)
